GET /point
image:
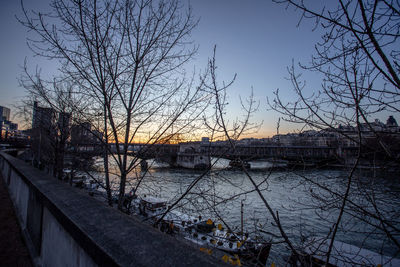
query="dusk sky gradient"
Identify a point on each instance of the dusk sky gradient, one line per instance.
(255, 39)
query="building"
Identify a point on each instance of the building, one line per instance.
(81, 133)
(64, 125)
(4, 117)
(7, 128)
(4, 114)
(43, 117)
(43, 134)
(84, 138)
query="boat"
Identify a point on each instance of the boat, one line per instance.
(153, 208)
(150, 206)
(342, 255)
(205, 233)
(238, 164)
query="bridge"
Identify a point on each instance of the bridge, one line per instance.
(292, 154)
(169, 153)
(271, 152)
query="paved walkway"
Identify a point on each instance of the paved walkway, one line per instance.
(13, 251)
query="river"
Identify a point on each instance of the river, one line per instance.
(304, 208)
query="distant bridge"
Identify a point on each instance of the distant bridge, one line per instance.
(169, 152)
(293, 154)
(289, 153)
(243, 152)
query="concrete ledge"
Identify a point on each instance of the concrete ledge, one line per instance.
(65, 226)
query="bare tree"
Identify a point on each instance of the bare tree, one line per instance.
(51, 122)
(126, 58)
(358, 58)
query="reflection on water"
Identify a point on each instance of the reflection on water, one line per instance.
(303, 207)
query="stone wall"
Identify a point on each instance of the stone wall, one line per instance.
(63, 226)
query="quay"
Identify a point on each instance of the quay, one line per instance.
(63, 226)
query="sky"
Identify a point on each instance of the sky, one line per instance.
(255, 39)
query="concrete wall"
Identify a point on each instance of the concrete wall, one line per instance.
(63, 226)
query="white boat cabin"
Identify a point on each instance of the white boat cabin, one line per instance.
(153, 204)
